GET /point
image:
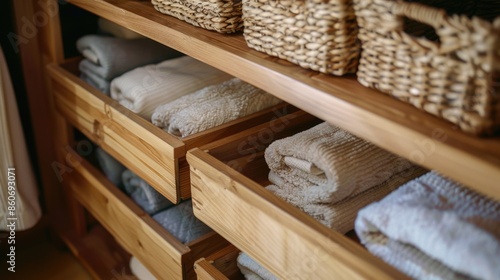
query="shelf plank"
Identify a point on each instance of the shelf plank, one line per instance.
(342, 101)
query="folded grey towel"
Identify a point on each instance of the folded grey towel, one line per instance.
(96, 81)
(325, 164)
(112, 168)
(211, 106)
(251, 269)
(109, 57)
(141, 90)
(434, 228)
(181, 222)
(149, 199)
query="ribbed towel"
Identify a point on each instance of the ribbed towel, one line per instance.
(143, 89)
(340, 215)
(109, 57)
(112, 168)
(253, 270)
(325, 164)
(181, 222)
(434, 228)
(139, 270)
(149, 199)
(211, 106)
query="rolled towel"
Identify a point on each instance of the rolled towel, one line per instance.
(116, 30)
(96, 81)
(149, 199)
(112, 168)
(139, 270)
(211, 106)
(181, 222)
(326, 164)
(251, 269)
(143, 89)
(109, 57)
(434, 228)
(340, 215)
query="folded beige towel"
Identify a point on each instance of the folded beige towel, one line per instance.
(211, 106)
(434, 228)
(139, 270)
(144, 88)
(251, 269)
(326, 164)
(340, 215)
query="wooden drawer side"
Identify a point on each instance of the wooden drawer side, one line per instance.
(151, 155)
(134, 230)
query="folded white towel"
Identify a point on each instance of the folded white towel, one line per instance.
(434, 228)
(211, 106)
(253, 270)
(139, 270)
(340, 215)
(143, 89)
(325, 164)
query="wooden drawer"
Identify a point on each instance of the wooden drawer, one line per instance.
(154, 155)
(135, 230)
(229, 195)
(220, 265)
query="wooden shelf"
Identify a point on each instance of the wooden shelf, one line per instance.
(342, 101)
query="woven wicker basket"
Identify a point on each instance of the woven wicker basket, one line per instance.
(223, 16)
(316, 34)
(447, 65)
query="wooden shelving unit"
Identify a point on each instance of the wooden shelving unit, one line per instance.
(393, 125)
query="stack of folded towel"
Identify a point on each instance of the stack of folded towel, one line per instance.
(434, 228)
(331, 174)
(141, 90)
(107, 57)
(251, 269)
(211, 106)
(149, 199)
(181, 222)
(112, 168)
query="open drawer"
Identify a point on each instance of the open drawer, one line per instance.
(228, 179)
(135, 230)
(153, 154)
(221, 265)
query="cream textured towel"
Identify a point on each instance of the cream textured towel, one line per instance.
(340, 215)
(253, 270)
(211, 106)
(328, 164)
(143, 89)
(139, 270)
(434, 228)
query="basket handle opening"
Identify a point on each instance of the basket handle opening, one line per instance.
(423, 22)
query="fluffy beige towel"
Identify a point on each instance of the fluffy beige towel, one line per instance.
(143, 89)
(212, 106)
(434, 228)
(340, 215)
(251, 269)
(328, 164)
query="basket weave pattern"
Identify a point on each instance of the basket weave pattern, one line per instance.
(223, 16)
(456, 78)
(316, 34)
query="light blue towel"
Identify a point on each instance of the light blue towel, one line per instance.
(112, 168)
